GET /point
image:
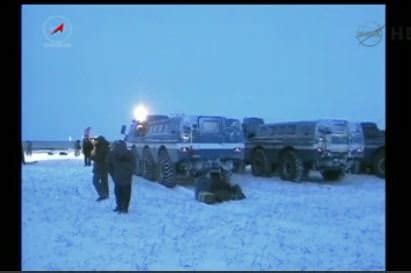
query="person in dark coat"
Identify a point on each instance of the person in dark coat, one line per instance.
(215, 186)
(29, 148)
(87, 148)
(121, 164)
(99, 156)
(23, 160)
(77, 147)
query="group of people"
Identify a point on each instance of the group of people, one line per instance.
(211, 186)
(118, 162)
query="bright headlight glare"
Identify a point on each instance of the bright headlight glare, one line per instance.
(140, 113)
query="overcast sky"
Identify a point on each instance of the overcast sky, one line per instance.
(278, 62)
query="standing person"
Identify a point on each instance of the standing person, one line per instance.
(77, 147)
(100, 169)
(23, 160)
(121, 163)
(87, 147)
(29, 148)
(87, 132)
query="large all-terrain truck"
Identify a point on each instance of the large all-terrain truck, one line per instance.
(171, 149)
(294, 148)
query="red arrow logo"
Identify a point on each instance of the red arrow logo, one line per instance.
(59, 28)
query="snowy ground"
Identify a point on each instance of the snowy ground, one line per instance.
(281, 225)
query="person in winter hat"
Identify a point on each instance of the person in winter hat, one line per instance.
(77, 147)
(87, 148)
(214, 186)
(29, 148)
(99, 156)
(121, 165)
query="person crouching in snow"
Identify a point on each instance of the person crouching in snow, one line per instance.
(100, 169)
(215, 187)
(121, 164)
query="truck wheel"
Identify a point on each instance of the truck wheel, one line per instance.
(356, 167)
(167, 173)
(306, 173)
(332, 175)
(148, 166)
(292, 168)
(260, 165)
(379, 164)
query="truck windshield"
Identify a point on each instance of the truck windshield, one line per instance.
(336, 130)
(333, 127)
(210, 125)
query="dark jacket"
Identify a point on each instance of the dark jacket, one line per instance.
(121, 163)
(212, 184)
(87, 147)
(77, 145)
(99, 155)
(29, 146)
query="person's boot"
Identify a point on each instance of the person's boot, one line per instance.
(123, 210)
(117, 209)
(123, 207)
(101, 198)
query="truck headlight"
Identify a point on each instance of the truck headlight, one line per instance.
(185, 137)
(185, 149)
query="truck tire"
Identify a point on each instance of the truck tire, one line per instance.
(378, 165)
(306, 173)
(167, 172)
(332, 175)
(260, 165)
(149, 168)
(356, 167)
(292, 168)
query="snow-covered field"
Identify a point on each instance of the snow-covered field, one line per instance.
(313, 225)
